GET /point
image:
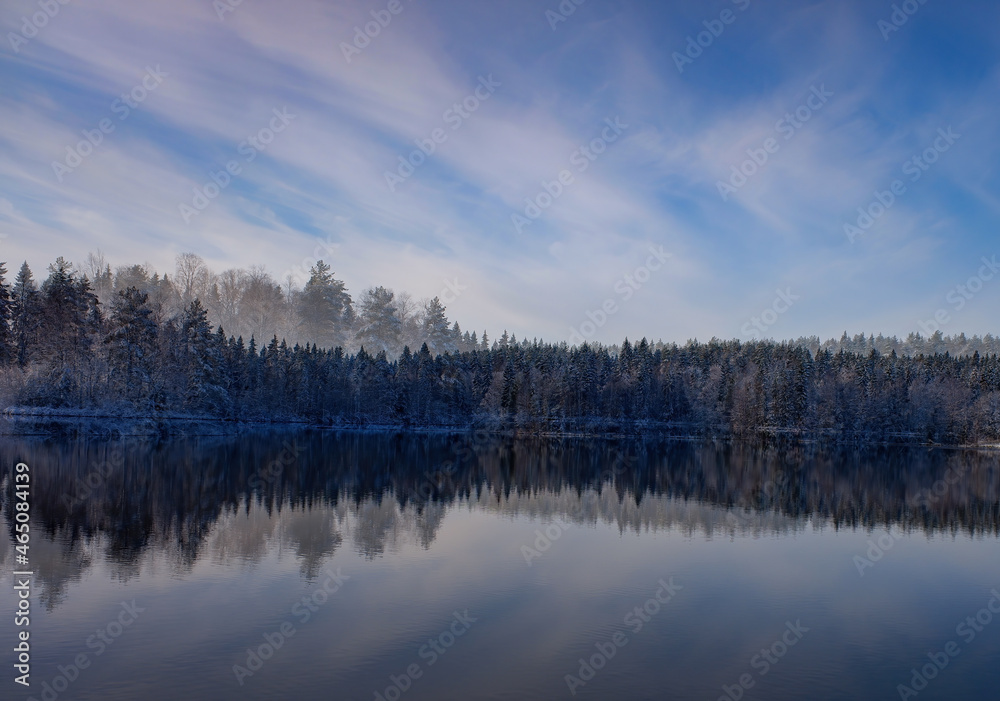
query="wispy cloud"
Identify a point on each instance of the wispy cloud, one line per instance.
(323, 178)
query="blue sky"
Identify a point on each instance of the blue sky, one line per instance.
(772, 247)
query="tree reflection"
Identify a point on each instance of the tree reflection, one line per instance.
(238, 499)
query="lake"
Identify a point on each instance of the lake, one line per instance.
(366, 566)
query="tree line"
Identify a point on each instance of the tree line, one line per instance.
(135, 343)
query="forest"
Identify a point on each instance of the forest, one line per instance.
(238, 346)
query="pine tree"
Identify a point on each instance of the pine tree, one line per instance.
(325, 308)
(7, 350)
(203, 360)
(379, 323)
(131, 341)
(436, 332)
(60, 311)
(25, 315)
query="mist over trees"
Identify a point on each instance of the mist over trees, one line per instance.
(250, 303)
(913, 344)
(238, 346)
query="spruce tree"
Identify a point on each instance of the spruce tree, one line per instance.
(25, 315)
(325, 308)
(131, 341)
(7, 352)
(436, 331)
(203, 361)
(379, 325)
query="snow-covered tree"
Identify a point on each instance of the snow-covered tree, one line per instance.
(379, 325)
(68, 312)
(97, 269)
(131, 342)
(325, 308)
(7, 353)
(202, 361)
(25, 309)
(436, 330)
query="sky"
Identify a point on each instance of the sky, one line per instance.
(583, 170)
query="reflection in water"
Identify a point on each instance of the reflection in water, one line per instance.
(233, 500)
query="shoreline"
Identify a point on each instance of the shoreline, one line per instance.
(50, 422)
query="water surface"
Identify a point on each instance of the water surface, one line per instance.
(367, 566)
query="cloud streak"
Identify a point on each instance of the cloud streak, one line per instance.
(322, 179)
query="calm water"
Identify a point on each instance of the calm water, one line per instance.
(361, 566)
